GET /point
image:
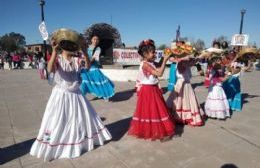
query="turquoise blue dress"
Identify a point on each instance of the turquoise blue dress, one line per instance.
(94, 81)
(232, 89)
(172, 77)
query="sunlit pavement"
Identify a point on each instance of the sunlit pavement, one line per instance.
(234, 142)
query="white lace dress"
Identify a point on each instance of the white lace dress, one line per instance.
(70, 126)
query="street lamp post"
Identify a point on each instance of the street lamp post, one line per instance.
(42, 3)
(243, 11)
(178, 33)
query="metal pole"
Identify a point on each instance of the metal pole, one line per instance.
(243, 11)
(178, 33)
(42, 3)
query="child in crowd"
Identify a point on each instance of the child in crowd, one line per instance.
(216, 45)
(231, 87)
(151, 119)
(41, 69)
(216, 105)
(70, 125)
(2, 63)
(172, 73)
(93, 80)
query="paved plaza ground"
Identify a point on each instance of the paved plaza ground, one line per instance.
(234, 143)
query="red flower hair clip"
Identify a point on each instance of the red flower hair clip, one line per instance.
(147, 42)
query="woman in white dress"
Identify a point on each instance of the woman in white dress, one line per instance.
(216, 105)
(70, 125)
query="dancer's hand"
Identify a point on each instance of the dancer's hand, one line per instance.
(86, 59)
(54, 45)
(166, 56)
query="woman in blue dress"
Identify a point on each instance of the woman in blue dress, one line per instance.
(232, 88)
(93, 80)
(172, 75)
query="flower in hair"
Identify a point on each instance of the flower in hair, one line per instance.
(148, 42)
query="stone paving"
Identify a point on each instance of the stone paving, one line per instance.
(234, 143)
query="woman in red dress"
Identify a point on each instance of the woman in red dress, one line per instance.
(151, 119)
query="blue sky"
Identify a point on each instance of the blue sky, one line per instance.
(135, 19)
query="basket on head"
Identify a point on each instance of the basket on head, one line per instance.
(67, 39)
(215, 51)
(181, 49)
(244, 52)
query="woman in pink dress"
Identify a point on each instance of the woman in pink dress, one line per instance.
(182, 101)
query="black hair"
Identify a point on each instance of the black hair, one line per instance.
(182, 42)
(214, 59)
(93, 35)
(146, 46)
(216, 43)
(224, 45)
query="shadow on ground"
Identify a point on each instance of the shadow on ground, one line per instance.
(179, 129)
(123, 95)
(246, 96)
(229, 165)
(15, 151)
(119, 128)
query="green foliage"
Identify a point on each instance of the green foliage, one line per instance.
(12, 42)
(162, 47)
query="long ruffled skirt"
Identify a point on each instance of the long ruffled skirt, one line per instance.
(184, 104)
(233, 93)
(151, 119)
(96, 83)
(70, 127)
(216, 105)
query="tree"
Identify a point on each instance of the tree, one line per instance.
(199, 45)
(182, 39)
(104, 32)
(221, 39)
(162, 47)
(12, 42)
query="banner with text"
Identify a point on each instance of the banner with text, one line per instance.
(240, 40)
(131, 56)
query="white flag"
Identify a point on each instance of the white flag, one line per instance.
(43, 30)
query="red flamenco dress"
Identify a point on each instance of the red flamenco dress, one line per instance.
(151, 119)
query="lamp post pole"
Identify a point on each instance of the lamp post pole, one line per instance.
(243, 11)
(42, 3)
(178, 33)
